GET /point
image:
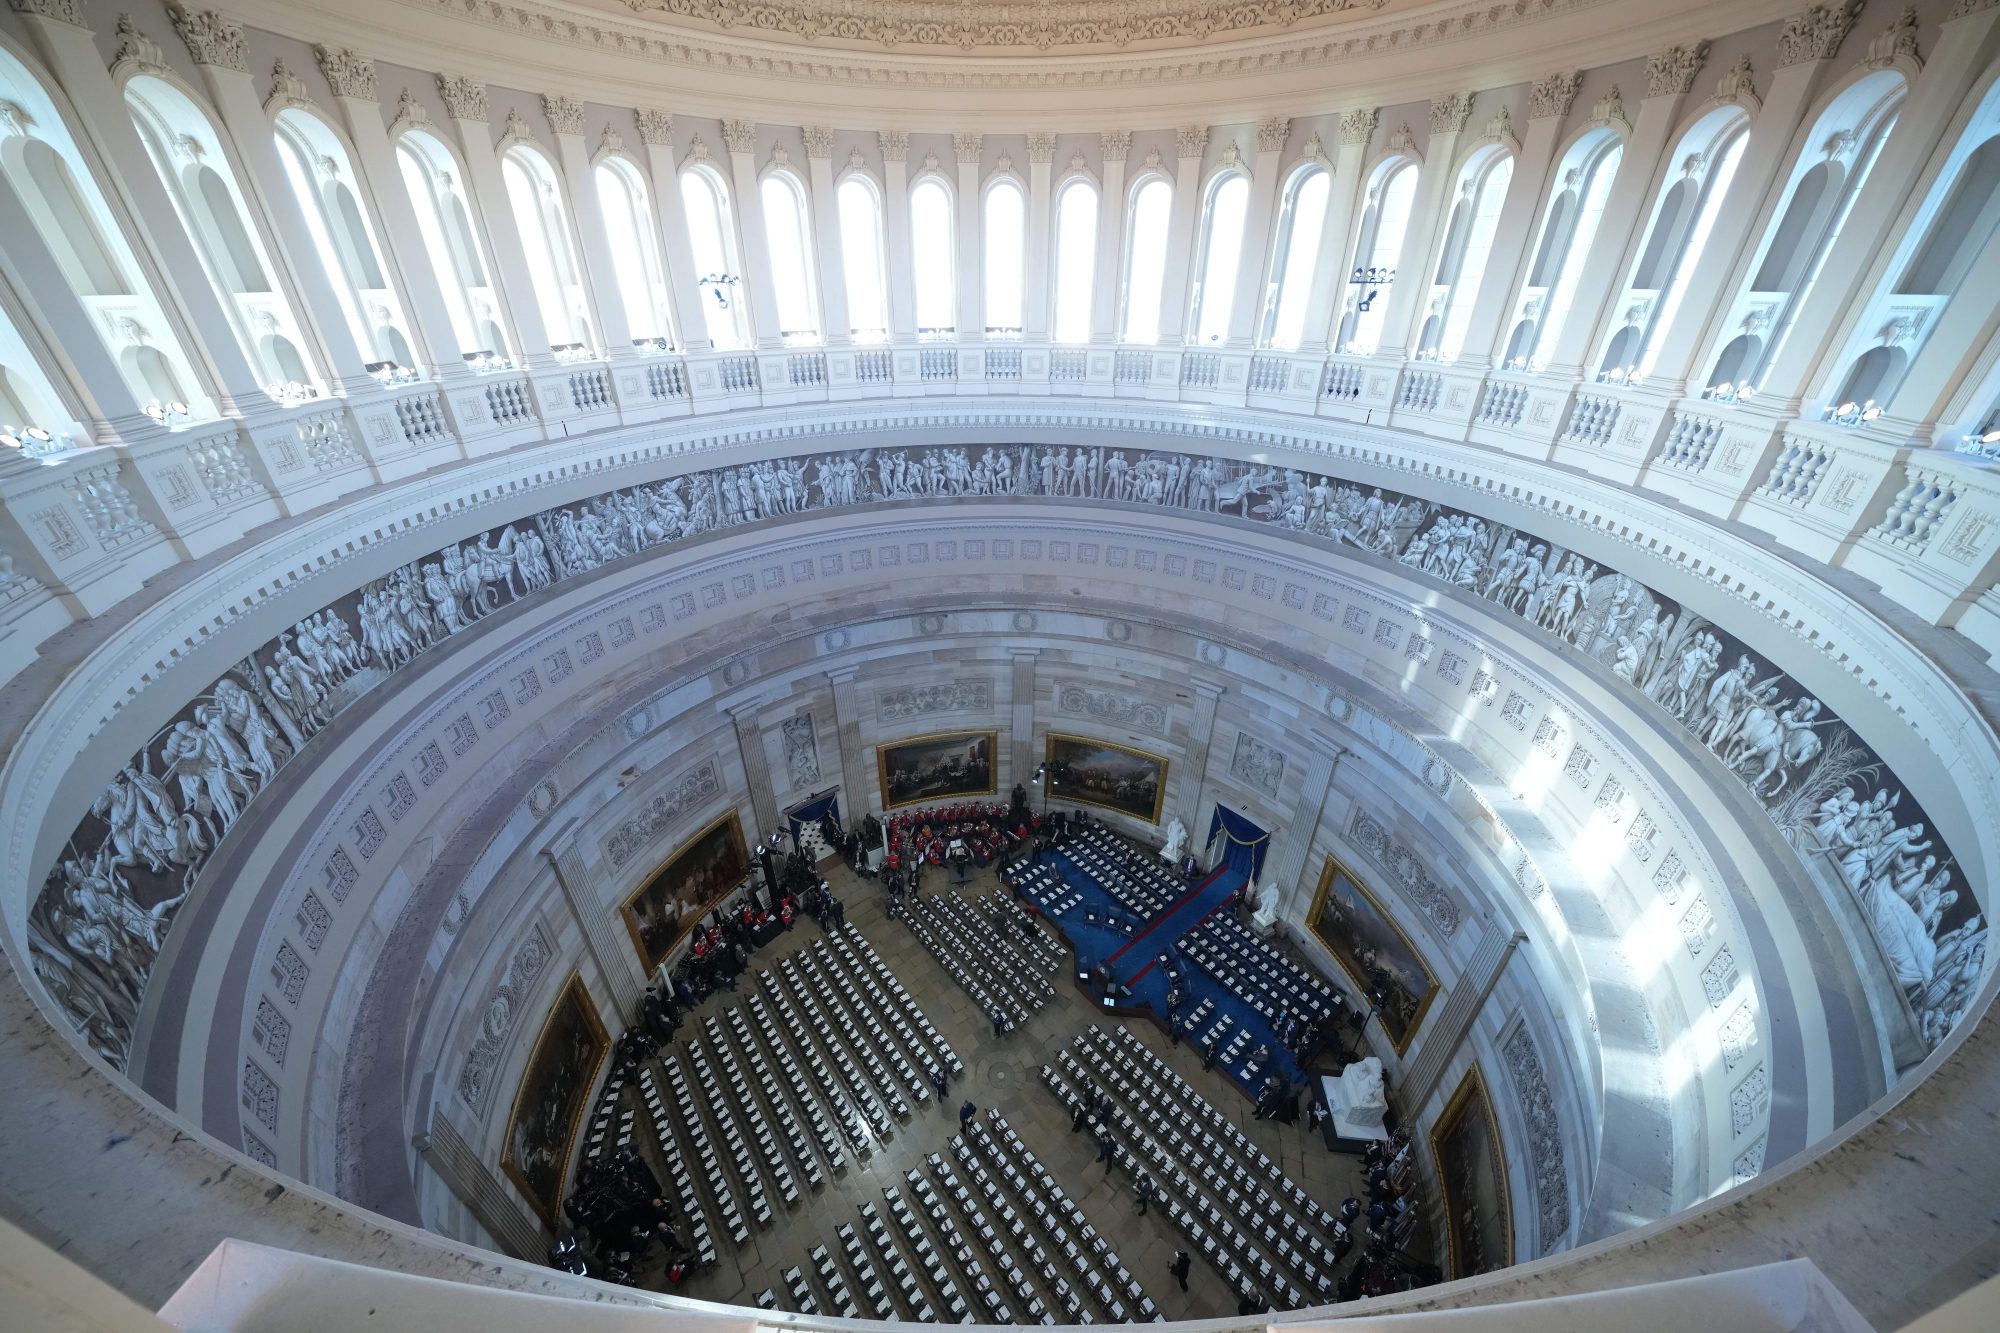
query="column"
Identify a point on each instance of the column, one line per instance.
(593, 241)
(896, 235)
(971, 290)
(836, 324)
(1415, 263)
(1549, 100)
(1965, 47)
(860, 795)
(1191, 144)
(1246, 308)
(656, 132)
(740, 136)
(1021, 717)
(1108, 275)
(1193, 773)
(1286, 867)
(295, 253)
(465, 99)
(756, 762)
(1036, 306)
(473, 1184)
(1453, 1019)
(1669, 75)
(1765, 158)
(609, 944)
(1323, 308)
(381, 180)
(205, 328)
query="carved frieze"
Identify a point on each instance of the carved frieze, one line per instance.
(665, 808)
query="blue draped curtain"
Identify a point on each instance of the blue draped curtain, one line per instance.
(813, 809)
(1243, 843)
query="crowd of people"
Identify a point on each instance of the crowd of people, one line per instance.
(977, 832)
(617, 1214)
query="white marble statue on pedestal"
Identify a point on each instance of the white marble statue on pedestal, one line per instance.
(1264, 905)
(1364, 1097)
(1177, 836)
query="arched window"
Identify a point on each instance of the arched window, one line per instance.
(195, 169)
(712, 238)
(1475, 217)
(535, 197)
(933, 247)
(1295, 266)
(1220, 255)
(71, 231)
(430, 174)
(861, 258)
(1006, 241)
(1146, 226)
(320, 173)
(637, 264)
(32, 418)
(1076, 259)
(788, 238)
(1377, 246)
(1569, 225)
(1683, 217)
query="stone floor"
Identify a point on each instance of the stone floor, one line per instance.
(999, 1073)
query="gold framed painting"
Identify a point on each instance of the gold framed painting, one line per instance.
(1111, 777)
(1370, 947)
(554, 1093)
(1472, 1176)
(702, 872)
(936, 767)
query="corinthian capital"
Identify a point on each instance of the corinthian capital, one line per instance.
(1672, 70)
(655, 127)
(967, 147)
(1449, 114)
(464, 98)
(1041, 147)
(1817, 33)
(1191, 140)
(1553, 94)
(819, 143)
(565, 113)
(1272, 133)
(1356, 126)
(348, 74)
(1116, 144)
(895, 145)
(739, 136)
(212, 38)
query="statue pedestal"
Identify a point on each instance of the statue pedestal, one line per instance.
(1358, 1101)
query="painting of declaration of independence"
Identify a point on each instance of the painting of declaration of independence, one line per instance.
(109, 899)
(681, 892)
(929, 768)
(555, 1087)
(1131, 782)
(1478, 1223)
(1374, 951)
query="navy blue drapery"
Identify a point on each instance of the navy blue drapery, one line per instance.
(1244, 844)
(813, 809)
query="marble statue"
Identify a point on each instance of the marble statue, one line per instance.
(1264, 917)
(1363, 1099)
(1177, 836)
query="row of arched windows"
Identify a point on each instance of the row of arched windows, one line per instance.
(195, 164)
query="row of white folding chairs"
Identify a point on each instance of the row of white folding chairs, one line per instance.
(1280, 981)
(870, 1283)
(971, 945)
(848, 1109)
(732, 1136)
(831, 1037)
(898, 1268)
(1015, 964)
(800, 1290)
(1232, 1252)
(824, 1142)
(1048, 890)
(1135, 892)
(700, 1238)
(858, 1016)
(728, 1197)
(1004, 1258)
(984, 1290)
(891, 998)
(1159, 881)
(836, 1286)
(1010, 921)
(1058, 1216)
(788, 1124)
(979, 988)
(927, 1254)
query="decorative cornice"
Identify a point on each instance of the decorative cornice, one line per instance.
(1671, 72)
(212, 38)
(819, 143)
(63, 11)
(136, 50)
(410, 115)
(464, 98)
(1272, 133)
(1357, 125)
(1191, 140)
(1041, 148)
(1553, 94)
(287, 89)
(895, 145)
(1610, 110)
(348, 74)
(1895, 42)
(1449, 114)
(1816, 34)
(565, 113)
(966, 147)
(739, 136)
(1116, 145)
(1039, 25)
(655, 127)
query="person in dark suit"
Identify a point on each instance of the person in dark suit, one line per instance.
(965, 1114)
(1179, 1268)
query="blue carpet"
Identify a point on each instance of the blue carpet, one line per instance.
(1132, 957)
